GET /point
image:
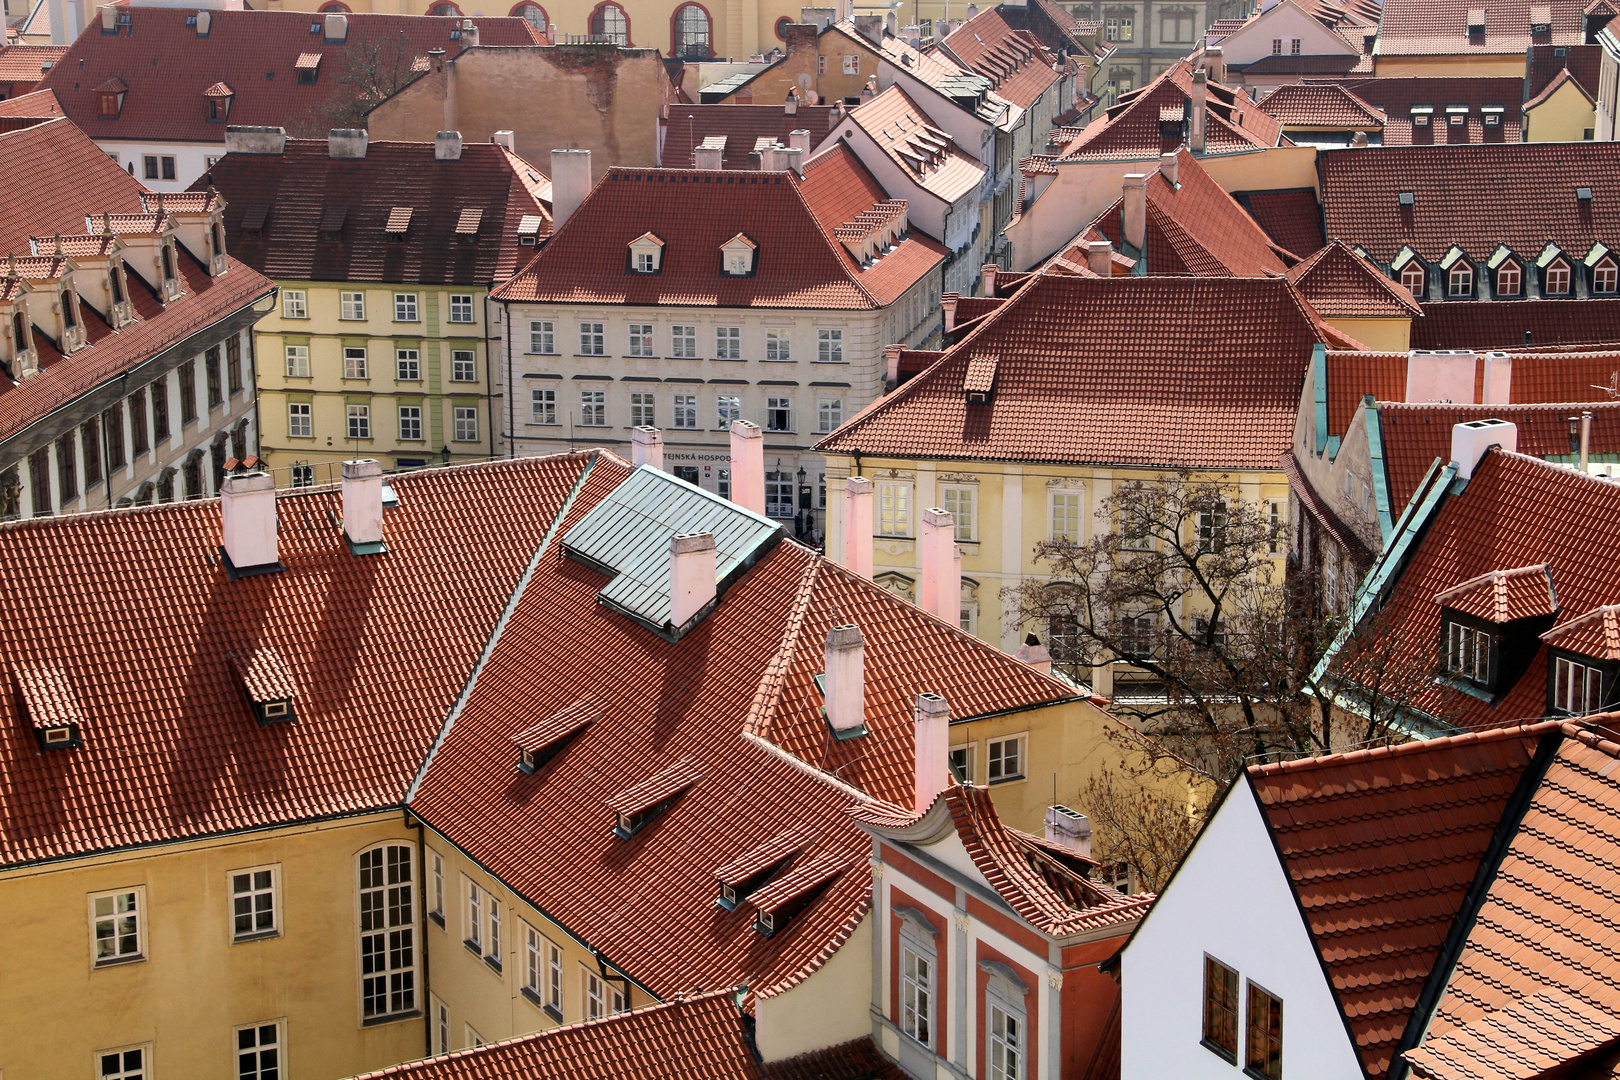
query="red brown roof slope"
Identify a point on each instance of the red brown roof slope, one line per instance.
(1436, 28)
(1581, 61)
(1018, 66)
(1320, 105)
(1212, 380)
(742, 126)
(40, 103)
(288, 195)
(1517, 325)
(1337, 281)
(1381, 847)
(927, 155)
(24, 65)
(1476, 197)
(167, 66)
(1397, 96)
(1131, 128)
(1291, 218)
(147, 585)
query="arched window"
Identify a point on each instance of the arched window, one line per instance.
(693, 34)
(387, 931)
(1558, 278)
(334, 5)
(1413, 276)
(610, 23)
(168, 263)
(1604, 276)
(535, 14)
(444, 8)
(1509, 279)
(192, 473)
(1461, 280)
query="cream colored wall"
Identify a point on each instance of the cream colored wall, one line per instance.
(1566, 116)
(1441, 67)
(1281, 168)
(1080, 191)
(599, 99)
(1389, 335)
(195, 986)
(329, 393)
(830, 1007)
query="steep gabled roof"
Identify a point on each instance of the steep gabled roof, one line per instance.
(1547, 62)
(1017, 65)
(27, 64)
(1291, 218)
(40, 103)
(1397, 96)
(1339, 282)
(928, 156)
(1321, 105)
(1131, 128)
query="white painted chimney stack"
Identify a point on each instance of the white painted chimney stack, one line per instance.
(940, 590)
(1170, 167)
(707, 157)
(1498, 378)
(691, 576)
(247, 509)
(1069, 829)
(844, 681)
(1200, 110)
(1470, 441)
(570, 183)
(1440, 376)
(362, 501)
(447, 146)
(647, 446)
(1036, 655)
(858, 525)
(748, 465)
(1133, 208)
(933, 745)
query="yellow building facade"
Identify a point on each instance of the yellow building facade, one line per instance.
(1560, 113)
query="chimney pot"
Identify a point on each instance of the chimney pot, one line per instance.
(1069, 829)
(647, 446)
(362, 501)
(447, 146)
(692, 586)
(1100, 258)
(933, 749)
(1036, 655)
(844, 681)
(347, 143)
(1169, 167)
(1470, 441)
(247, 508)
(858, 526)
(570, 183)
(1133, 208)
(748, 465)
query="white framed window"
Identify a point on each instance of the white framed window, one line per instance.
(683, 342)
(405, 307)
(643, 409)
(474, 916)
(461, 308)
(830, 346)
(124, 1063)
(465, 423)
(351, 306)
(1468, 652)
(255, 907)
(543, 404)
(1006, 1049)
(1577, 687)
(554, 978)
(641, 339)
(354, 362)
(592, 341)
(829, 414)
(916, 986)
(778, 414)
(1558, 277)
(728, 408)
(298, 421)
(1605, 276)
(359, 421)
(492, 948)
(852, 63)
(593, 408)
(894, 509)
(962, 761)
(1509, 279)
(543, 337)
(685, 410)
(778, 344)
(1063, 518)
(294, 304)
(1415, 278)
(117, 926)
(645, 263)
(410, 423)
(441, 1025)
(1461, 280)
(728, 343)
(722, 483)
(1212, 527)
(408, 365)
(297, 361)
(1005, 758)
(463, 365)
(778, 494)
(258, 1051)
(533, 961)
(962, 503)
(596, 996)
(387, 930)
(436, 864)
(1276, 525)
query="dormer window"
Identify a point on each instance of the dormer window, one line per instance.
(1414, 276)
(1421, 115)
(646, 254)
(50, 706)
(332, 219)
(110, 98)
(308, 67)
(1509, 279)
(1577, 685)
(1605, 275)
(539, 744)
(1460, 280)
(776, 904)
(1469, 653)
(1492, 115)
(467, 224)
(115, 283)
(168, 262)
(744, 875)
(1557, 278)
(737, 256)
(1456, 115)
(980, 381)
(1476, 22)
(399, 223)
(268, 684)
(1583, 662)
(634, 807)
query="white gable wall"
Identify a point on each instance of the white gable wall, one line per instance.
(1231, 900)
(1285, 21)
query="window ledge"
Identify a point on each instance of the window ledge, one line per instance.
(1228, 1056)
(437, 917)
(1008, 780)
(391, 1018)
(243, 939)
(474, 948)
(553, 1012)
(119, 961)
(588, 356)
(532, 997)
(494, 964)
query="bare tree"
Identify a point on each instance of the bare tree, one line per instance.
(1143, 827)
(371, 70)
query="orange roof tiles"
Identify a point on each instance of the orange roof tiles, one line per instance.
(1504, 595)
(1436, 28)
(1018, 66)
(1291, 218)
(1396, 97)
(930, 157)
(24, 65)
(1131, 128)
(1320, 105)
(566, 721)
(40, 103)
(1547, 62)
(742, 126)
(1337, 281)
(1595, 634)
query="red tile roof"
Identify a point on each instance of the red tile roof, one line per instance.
(1397, 96)
(1382, 846)
(1321, 105)
(1337, 281)
(296, 197)
(929, 157)
(167, 67)
(24, 65)
(1436, 28)
(1581, 61)
(742, 126)
(40, 103)
(1131, 128)
(1517, 325)
(1502, 596)
(1476, 197)
(1291, 218)
(1018, 66)
(1595, 633)
(797, 264)
(1082, 378)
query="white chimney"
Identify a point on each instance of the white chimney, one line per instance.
(362, 501)
(1170, 167)
(647, 446)
(1498, 378)
(691, 576)
(469, 34)
(1100, 258)
(1036, 655)
(843, 681)
(1470, 441)
(247, 509)
(242, 139)
(1133, 208)
(988, 270)
(109, 19)
(937, 548)
(1440, 376)
(767, 159)
(347, 143)
(708, 157)
(1215, 62)
(858, 526)
(505, 138)
(800, 141)
(1069, 829)
(1200, 109)
(748, 465)
(933, 746)
(335, 28)
(447, 146)
(1586, 438)
(791, 106)
(790, 158)
(570, 183)
(205, 20)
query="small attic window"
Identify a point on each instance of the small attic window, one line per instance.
(308, 67)
(268, 684)
(646, 254)
(545, 740)
(1406, 199)
(332, 223)
(49, 706)
(467, 224)
(745, 874)
(253, 219)
(776, 904)
(399, 223)
(1421, 115)
(737, 256)
(1476, 22)
(1492, 115)
(1583, 194)
(529, 229)
(1456, 115)
(980, 381)
(634, 807)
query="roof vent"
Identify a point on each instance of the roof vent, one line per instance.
(49, 705)
(545, 740)
(1583, 194)
(745, 874)
(634, 807)
(268, 684)
(247, 508)
(1406, 199)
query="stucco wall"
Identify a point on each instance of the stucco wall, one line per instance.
(830, 1007)
(1443, 67)
(1566, 116)
(1389, 335)
(1281, 168)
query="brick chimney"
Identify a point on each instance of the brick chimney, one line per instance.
(691, 576)
(748, 465)
(1200, 110)
(647, 446)
(447, 146)
(844, 681)
(1470, 441)
(932, 742)
(1440, 376)
(1036, 655)
(1169, 167)
(1100, 258)
(937, 548)
(347, 143)
(247, 510)
(570, 183)
(1133, 210)
(362, 501)
(858, 526)
(1069, 829)
(1498, 378)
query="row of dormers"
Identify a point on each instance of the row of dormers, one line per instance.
(1505, 274)
(738, 256)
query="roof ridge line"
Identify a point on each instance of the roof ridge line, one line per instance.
(1515, 730)
(796, 183)
(768, 693)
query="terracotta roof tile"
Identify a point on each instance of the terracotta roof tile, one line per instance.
(1291, 218)
(1131, 128)
(27, 64)
(1546, 64)
(1320, 105)
(566, 721)
(1430, 28)
(1337, 281)
(929, 156)
(1502, 596)
(741, 126)
(1517, 325)
(264, 675)
(1397, 96)
(1595, 634)
(47, 696)
(40, 103)
(1015, 62)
